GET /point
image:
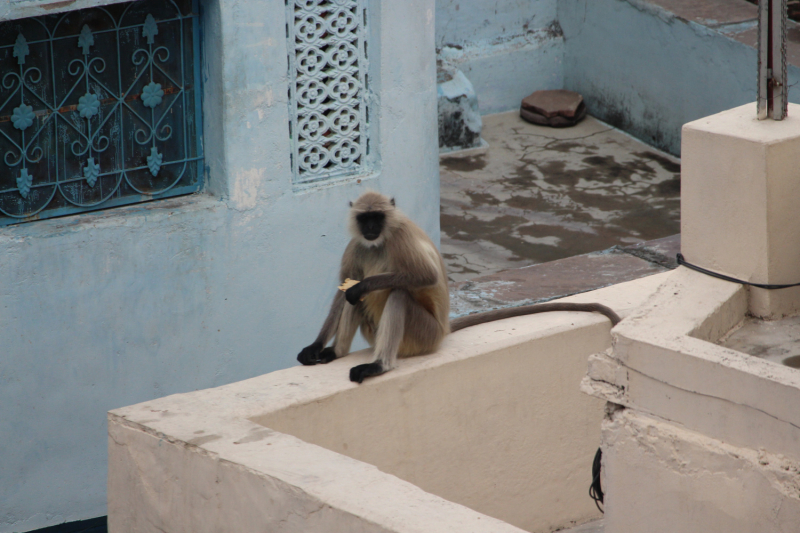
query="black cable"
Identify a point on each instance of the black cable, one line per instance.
(595, 489)
(682, 261)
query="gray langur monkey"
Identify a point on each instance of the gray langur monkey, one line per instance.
(402, 303)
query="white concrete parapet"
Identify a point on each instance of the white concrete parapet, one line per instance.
(700, 438)
(705, 437)
(489, 434)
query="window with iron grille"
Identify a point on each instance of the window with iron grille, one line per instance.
(99, 108)
(328, 93)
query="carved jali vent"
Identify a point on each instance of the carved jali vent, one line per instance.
(99, 107)
(329, 112)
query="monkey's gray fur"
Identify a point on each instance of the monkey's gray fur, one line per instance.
(402, 302)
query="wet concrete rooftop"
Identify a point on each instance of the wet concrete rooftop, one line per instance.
(539, 194)
(774, 340)
(544, 213)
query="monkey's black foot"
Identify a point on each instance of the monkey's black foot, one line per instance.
(326, 356)
(360, 372)
(310, 354)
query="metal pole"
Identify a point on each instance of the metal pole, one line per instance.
(772, 90)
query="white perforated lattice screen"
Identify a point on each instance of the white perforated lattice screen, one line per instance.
(328, 90)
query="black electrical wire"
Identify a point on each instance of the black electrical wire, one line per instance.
(595, 489)
(682, 261)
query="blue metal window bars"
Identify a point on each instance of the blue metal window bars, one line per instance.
(99, 108)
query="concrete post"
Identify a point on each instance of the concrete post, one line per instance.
(740, 202)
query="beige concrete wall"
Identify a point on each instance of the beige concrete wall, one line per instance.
(507, 433)
(488, 433)
(667, 479)
(706, 438)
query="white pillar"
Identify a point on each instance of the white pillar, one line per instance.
(740, 202)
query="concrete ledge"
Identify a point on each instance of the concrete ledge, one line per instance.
(693, 483)
(493, 421)
(698, 418)
(672, 370)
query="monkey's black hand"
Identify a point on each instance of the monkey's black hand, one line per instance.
(310, 354)
(354, 294)
(326, 356)
(360, 372)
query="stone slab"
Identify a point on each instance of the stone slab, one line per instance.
(557, 121)
(546, 281)
(659, 251)
(553, 103)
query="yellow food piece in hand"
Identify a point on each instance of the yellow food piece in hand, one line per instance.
(348, 283)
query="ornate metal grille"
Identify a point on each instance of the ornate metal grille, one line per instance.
(98, 108)
(328, 92)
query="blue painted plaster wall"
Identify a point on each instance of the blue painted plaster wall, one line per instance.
(103, 310)
(648, 72)
(506, 48)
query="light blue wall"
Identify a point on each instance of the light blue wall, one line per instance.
(103, 310)
(638, 66)
(648, 72)
(506, 48)
(472, 21)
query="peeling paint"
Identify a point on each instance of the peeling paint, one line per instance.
(246, 188)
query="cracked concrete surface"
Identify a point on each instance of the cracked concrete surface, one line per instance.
(541, 194)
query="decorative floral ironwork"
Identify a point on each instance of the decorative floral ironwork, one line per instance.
(22, 117)
(24, 182)
(91, 171)
(150, 29)
(88, 105)
(71, 108)
(86, 39)
(329, 91)
(21, 49)
(154, 161)
(152, 94)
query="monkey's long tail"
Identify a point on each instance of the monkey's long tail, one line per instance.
(499, 314)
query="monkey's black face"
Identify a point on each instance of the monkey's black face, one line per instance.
(370, 224)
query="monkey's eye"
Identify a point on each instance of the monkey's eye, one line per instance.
(371, 217)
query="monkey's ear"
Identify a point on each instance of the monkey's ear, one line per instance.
(351, 204)
(391, 201)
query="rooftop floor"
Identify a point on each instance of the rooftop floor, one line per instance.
(540, 194)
